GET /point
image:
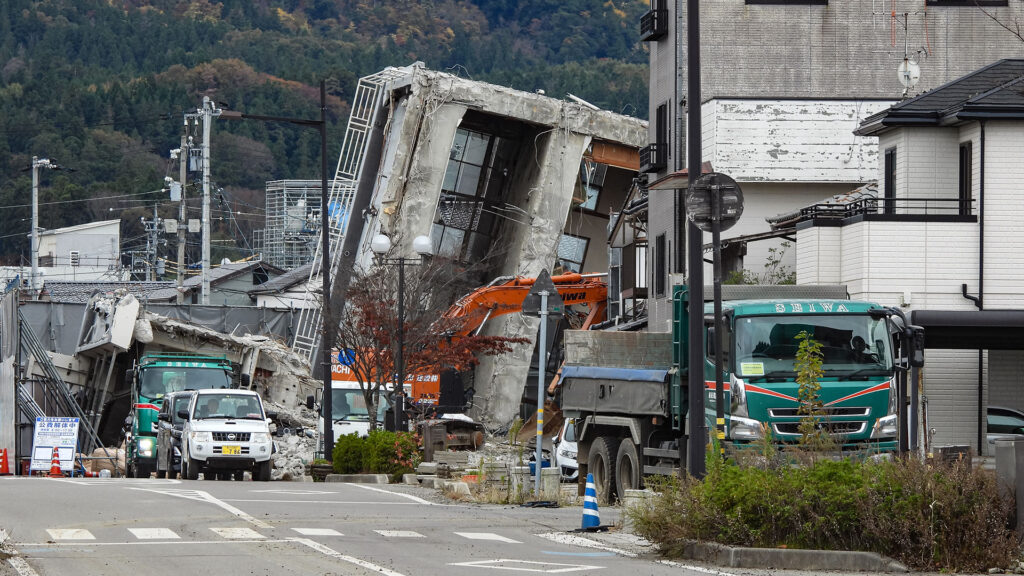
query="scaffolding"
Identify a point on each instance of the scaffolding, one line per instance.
(292, 223)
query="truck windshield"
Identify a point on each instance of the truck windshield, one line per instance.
(350, 405)
(156, 382)
(852, 345)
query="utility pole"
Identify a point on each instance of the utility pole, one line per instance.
(153, 228)
(37, 163)
(183, 156)
(209, 111)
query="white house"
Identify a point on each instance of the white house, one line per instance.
(86, 252)
(944, 241)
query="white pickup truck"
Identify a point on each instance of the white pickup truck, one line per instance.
(226, 432)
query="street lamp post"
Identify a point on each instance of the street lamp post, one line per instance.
(381, 245)
(325, 262)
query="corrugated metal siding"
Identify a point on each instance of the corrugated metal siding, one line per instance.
(951, 386)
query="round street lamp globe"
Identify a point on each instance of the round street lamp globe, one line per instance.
(380, 244)
(423, 246)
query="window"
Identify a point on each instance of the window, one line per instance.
(655, 156)
(890, 181)
(572, 250)
(471, 193)
(659, 265)
(591, 181)
(966, 167)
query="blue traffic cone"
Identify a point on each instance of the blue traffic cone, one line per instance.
(591, 517)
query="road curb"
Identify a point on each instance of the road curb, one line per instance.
(787, 559)
(358, 478)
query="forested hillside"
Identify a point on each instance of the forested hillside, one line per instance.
(100, 87)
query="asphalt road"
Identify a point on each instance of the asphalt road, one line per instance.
(171, 527)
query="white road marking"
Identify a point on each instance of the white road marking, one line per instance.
(318, 531)
(238, 533)
(695, 568)
(350, 559)
(487, 536)
(206, 497)
(504, 565)
(153, 533)
(292, 492)
(346, 502)
(70, 534)
(574, 540)
(399, 534)
(415, 499)
(21, 566)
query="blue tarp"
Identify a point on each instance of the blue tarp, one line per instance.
(608, 373)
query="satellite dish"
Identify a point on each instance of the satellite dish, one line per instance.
(909, 73)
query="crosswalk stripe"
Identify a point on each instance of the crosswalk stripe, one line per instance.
(238, 533)
(399, 534)
(487, 536)
(154, 533)
(70, 534)
(318, 531)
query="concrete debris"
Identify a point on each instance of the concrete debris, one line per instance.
(279, 374)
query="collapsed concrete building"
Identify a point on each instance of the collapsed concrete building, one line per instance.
(517, 181)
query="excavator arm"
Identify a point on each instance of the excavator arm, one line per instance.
(505, 295)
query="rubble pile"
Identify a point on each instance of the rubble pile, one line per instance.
(295, 442)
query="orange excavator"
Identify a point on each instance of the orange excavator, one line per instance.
(505, 295)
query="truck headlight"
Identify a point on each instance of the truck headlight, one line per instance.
(260, 437)
(200, 436)
(886, 426)
(146, 447)
(745, 429)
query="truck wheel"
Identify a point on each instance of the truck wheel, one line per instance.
(262, 472)
(140, 471)
(239, 475)
(602, 465)
(161, 473)
(628, 473)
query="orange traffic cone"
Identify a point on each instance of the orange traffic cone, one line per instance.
(5, 466)
(55, 471)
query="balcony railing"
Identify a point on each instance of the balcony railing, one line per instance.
(653, 157)
(893, 208)
(653, 25)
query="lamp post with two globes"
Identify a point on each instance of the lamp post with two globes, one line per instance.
(381, 245)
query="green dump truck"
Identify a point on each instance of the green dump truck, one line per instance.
(153, 377)
(632, 421)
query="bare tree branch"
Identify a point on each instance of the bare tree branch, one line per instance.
(1015, 30)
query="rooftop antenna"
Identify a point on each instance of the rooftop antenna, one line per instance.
(908, 71)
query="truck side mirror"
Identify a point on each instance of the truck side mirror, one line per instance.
(163, 416)
(245, 381)
(183, 414)
(309, 402)
(917, 346)
(711, 341)
(129, 375)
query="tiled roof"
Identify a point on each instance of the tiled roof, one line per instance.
(217, 274)
(80, 292)
(284, 281)
(995, 91)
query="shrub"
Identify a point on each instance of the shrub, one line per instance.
(348, 454)
(944, 517)
(392, 453)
